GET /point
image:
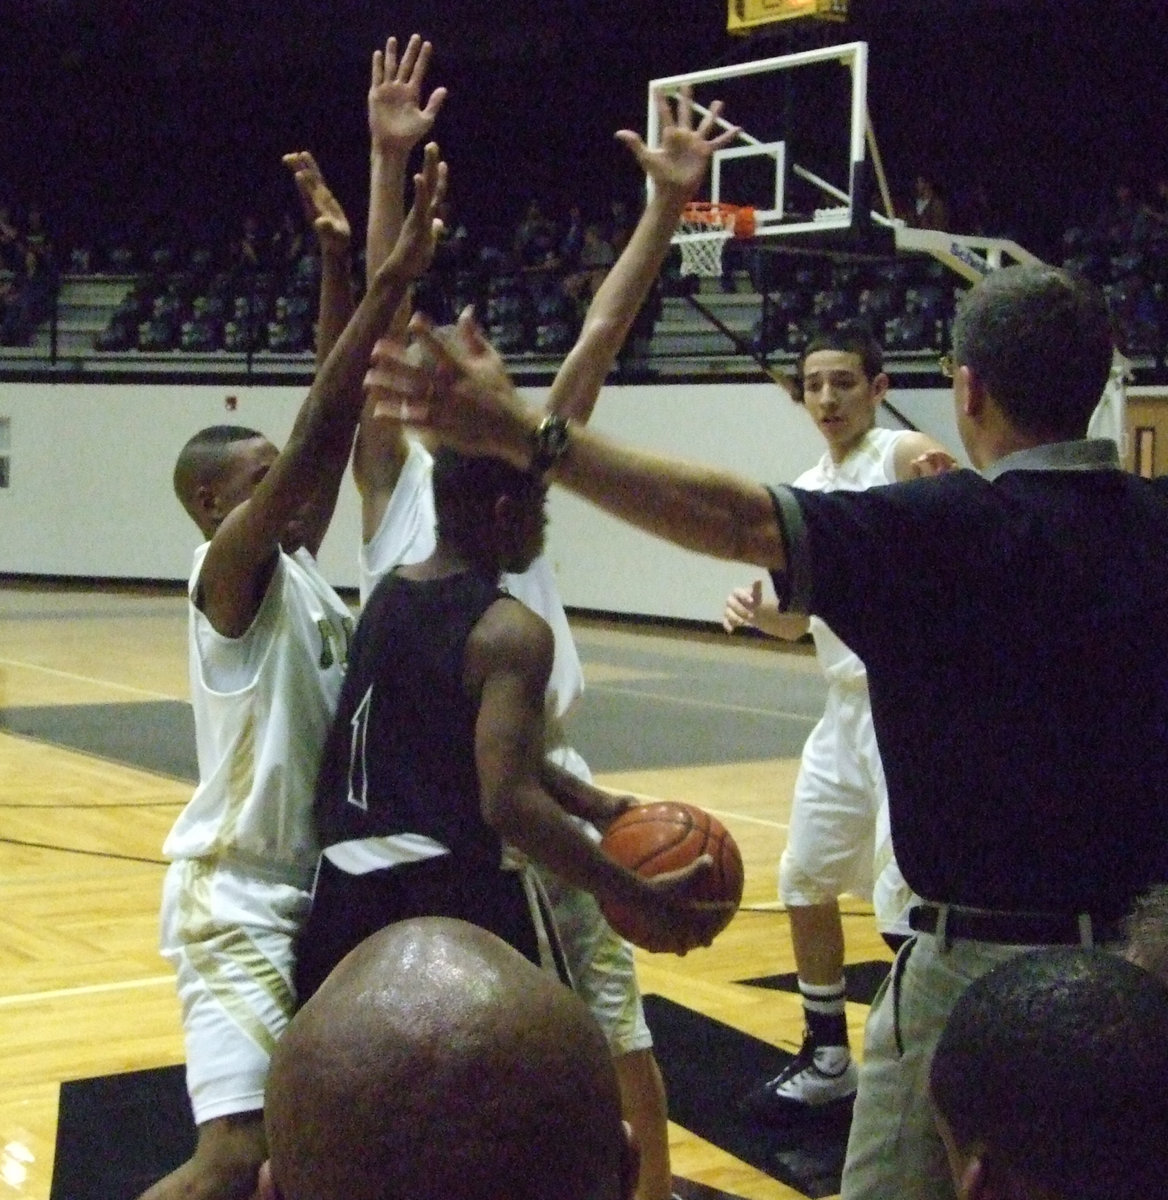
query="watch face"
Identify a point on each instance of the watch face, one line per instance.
(551, 443)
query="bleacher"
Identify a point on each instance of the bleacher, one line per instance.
(190, 316)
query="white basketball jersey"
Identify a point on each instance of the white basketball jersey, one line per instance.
(868, 465)
(263, 703)
(407, 535)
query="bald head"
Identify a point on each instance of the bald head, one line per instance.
(437, 1062)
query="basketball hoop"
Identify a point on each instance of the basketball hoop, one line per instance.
(703, 231)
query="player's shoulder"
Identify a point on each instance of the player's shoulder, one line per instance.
(509, 635)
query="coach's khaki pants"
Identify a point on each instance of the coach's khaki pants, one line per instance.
(894, 1150)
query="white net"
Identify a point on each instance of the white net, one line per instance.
(701, 235)
(701, 253)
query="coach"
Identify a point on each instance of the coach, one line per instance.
(1015, 627)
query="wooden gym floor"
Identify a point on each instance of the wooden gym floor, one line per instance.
(83, 993)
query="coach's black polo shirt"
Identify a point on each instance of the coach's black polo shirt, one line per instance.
(1015, 629)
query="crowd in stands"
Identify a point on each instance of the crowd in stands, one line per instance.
(1123, 247)
(532, 283)
(908, 303)
(29, 284)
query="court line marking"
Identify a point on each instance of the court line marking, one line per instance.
(720, 813)
(691, 702)
(723, 815)
(93, 989)
(118, 687)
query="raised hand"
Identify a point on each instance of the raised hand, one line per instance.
(742, 607)
(397, 121)
(322, 210)
(419, 235)
(680, 162)
(461, 391)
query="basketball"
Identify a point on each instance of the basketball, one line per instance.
(654, 838)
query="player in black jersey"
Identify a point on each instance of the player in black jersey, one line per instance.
(434, 791)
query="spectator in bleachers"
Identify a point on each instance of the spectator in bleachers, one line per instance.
(9, 239)
(1116, 224)
(597, 255)
(35, 280)
(535, 237)
(247, 251)
(978, 215)
(620, 225)
(1153, 216)
(8, 295)
(286, 244)
(930, 209)
(572, 241)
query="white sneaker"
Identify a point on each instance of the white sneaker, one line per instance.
(817, 1075)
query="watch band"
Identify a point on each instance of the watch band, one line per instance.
(549, 443)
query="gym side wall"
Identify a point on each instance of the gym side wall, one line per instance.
(89, 492)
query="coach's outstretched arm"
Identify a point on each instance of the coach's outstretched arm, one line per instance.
(467, 400)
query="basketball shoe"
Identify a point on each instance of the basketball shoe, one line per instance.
(816, 1076)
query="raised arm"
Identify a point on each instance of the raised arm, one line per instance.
(467, 400)
(302, 481)
(676, 169)
(508, 659)
(397, 122)
(324, 213)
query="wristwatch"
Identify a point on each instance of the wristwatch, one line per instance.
(549, 443)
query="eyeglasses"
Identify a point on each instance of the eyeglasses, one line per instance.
(947, 366)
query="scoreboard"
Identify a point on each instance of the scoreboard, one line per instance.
(746, 15)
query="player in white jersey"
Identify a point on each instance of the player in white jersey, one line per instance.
(393, 475)
(268, 638)
(839, 839)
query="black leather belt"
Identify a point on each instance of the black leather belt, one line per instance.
(1012, 929)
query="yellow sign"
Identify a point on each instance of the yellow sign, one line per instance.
(744, 15)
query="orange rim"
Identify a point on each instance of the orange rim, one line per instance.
(737, 219)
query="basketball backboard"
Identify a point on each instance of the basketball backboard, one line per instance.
(806, 160)
(800, 158)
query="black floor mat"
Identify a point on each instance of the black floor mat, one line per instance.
(686, 1189)
(863, 980)
(157, 735)
(117, 1134)
(708, 1065)
(614, 732)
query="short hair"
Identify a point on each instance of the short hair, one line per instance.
(465, 492)
(437, 1063)
(1146, 932)
(1040, 339)
(848, 337)
(201, 459)
(1052, 1067)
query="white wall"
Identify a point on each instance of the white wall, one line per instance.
(90, 492)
